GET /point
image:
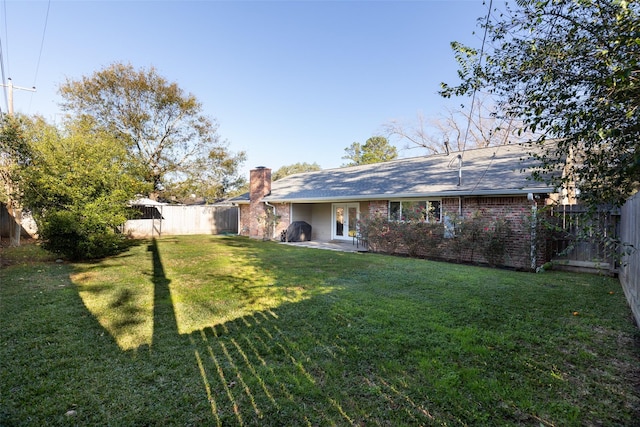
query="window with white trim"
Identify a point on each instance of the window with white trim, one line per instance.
(415, 210)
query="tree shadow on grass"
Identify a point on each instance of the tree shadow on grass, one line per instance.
(326, 353)
(248, 370)
(165, 324)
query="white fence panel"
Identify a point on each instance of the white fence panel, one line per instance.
(629, 271)
(177, 220)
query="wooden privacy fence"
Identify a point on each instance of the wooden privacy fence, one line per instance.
(579, 241)
(172, 220)
(629, 271)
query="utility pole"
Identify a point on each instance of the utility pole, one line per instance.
(13, 206)
(11, 87)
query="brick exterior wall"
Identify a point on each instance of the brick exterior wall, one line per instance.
(379, 207)
(517, 210)
(283, 211)
(245, 216)
(253, 217)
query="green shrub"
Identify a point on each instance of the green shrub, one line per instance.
(467, 237)
(77, 236)
(494, 244)
(421, 238)
(475, 238)
(381, 234)
(77, 182)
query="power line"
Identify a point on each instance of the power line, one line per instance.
(495, 154)
(474, 93)
(475, 89)
(44, 30)
(6, 37)
(8, 85)
(4, 79)
(473, 102)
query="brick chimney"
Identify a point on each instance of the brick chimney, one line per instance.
(259, 183)
(259, 186)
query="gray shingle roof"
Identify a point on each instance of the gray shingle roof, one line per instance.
(486, 171)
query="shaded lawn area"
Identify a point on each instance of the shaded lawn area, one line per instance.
(203, 330)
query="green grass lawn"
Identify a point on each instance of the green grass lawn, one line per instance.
(205, 330)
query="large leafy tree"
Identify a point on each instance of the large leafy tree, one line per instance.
(295, 168)
(77, 181)
(213, 177)
(568, 69)
(375, 150)
(163, 128)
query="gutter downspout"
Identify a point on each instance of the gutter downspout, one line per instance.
(239, 228)
(534, 226)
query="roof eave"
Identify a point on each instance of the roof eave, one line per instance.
(448, 193)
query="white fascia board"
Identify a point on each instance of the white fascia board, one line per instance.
(451, 193)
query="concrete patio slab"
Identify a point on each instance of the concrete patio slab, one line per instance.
(333, 245)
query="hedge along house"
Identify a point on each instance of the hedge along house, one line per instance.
(492, 182)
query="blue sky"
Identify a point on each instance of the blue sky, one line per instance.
(287, 81)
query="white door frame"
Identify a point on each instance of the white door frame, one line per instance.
(347, 232)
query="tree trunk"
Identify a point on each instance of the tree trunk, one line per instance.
(15, 223)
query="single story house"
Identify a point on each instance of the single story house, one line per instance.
(495, 180)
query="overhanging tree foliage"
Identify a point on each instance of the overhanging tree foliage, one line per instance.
(568, 69)
(162, 127)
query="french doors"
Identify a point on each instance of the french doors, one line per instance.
(345, 220)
